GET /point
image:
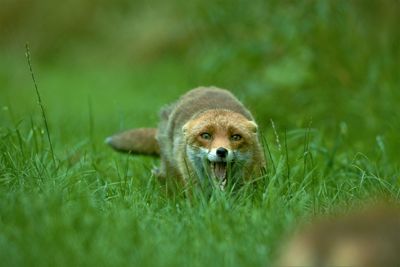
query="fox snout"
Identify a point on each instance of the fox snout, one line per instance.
(220, 154)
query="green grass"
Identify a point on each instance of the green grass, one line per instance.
(321, 79)
(98, 207)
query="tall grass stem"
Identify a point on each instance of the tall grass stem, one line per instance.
(28, 57)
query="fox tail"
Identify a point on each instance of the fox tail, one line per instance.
(140, 141)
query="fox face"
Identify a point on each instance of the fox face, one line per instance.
(220, 145)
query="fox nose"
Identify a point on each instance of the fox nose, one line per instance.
(222, 152)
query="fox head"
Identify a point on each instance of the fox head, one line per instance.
(220, 144)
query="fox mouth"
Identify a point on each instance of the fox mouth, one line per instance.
(219, 170)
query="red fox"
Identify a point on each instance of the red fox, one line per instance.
(206, 134)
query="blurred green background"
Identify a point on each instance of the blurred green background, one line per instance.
(104, 66)
(330, 62)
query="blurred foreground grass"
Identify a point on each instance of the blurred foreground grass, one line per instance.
(326, 73)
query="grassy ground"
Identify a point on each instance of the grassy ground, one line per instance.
(327, 105)
(94, 206)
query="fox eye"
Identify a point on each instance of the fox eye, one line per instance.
(205, 136)
(236, 137)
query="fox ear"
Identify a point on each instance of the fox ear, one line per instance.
(185, 127)
(253, 126)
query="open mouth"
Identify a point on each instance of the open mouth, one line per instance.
(220, 170)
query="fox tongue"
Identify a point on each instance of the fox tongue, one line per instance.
(220, 170)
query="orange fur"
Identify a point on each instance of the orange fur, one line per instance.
(137, 141)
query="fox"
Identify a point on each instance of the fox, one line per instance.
(207, 135)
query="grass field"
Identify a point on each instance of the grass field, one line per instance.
(327, 106)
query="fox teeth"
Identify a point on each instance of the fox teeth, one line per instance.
(222, 185)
